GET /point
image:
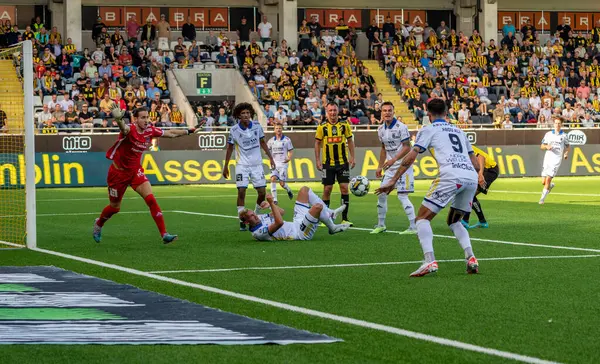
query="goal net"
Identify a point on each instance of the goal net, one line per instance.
(17, 158)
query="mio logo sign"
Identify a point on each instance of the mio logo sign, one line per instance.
(77, 144)
(212, 141)
(577, 137)
(471, 137)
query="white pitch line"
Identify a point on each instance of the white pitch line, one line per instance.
(369, 264)
(553, 193)
(435, 235)
(77, 213)
(128, 198)
(310, 312)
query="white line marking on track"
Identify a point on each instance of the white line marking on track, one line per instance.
(310, 312)
(435, 235)
(369, 264)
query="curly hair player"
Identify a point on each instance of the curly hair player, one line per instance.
(248, 138)
(126, 169)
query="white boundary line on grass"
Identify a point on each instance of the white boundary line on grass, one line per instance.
(435, 235)
(309, 312)
(129, 198)
(367, 264)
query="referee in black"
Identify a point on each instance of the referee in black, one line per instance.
(334, 155)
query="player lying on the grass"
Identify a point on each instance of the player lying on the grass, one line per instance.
(308, 211)
(487, 176)
(556, 145)
(457, 182)
(126, 169)
(248, 138)
(395, 144)
(282, 150)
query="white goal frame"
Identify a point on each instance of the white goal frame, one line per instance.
(29, 140)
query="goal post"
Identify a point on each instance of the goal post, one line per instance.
(17, 147)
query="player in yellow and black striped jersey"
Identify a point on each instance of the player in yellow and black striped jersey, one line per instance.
(334, 155)
(487, 176)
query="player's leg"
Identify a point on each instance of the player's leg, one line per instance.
(327, 179)
(242, 178)
(548, 173)
(405, 186)
(326, 216)
(257, 176)
(382, 204)
(460, 205)
(343, 178)
(117, 185)
(274, 180)
(426, 213)
(283, 181)
(145, 190)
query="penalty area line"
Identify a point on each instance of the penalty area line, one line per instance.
(369, 264)
(309, 312)
(435, 235)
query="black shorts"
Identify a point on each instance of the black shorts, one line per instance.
(331, 173)
(489, 175)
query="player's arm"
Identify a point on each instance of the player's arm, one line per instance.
(380, 166)
(351, 146)
(265, 147)
(290, 154)
(567, 149)
(318, 147)
(276, 215)
(407, 162)
(228, 153)
(174, 133)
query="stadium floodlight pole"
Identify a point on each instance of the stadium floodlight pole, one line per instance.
(29, 145)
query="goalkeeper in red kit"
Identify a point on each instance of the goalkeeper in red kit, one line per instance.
(126, 169)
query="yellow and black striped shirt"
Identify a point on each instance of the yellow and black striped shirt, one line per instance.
(489, 161)
(334, 138)
(176, 117)
(153, 116)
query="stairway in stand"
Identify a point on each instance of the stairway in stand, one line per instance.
(11, 97)
(390, 94)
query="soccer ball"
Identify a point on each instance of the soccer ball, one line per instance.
(359, 186)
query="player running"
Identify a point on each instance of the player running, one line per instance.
(395, 144)
(282, 151)
(248, 138)
(126, 169)
(308, 211)
(457, 182)
(487, 176)
(556, 145)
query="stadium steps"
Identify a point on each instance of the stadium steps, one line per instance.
(390, 93)
(11, 96)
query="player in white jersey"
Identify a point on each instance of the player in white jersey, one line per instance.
(556, 145)
(248, 138)
(308, 211)
(395, 144)
(281, 148)
(457, 182)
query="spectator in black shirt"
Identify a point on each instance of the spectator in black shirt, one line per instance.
(371, 36)
(188, 31)
(97, 28)
(564, 29)
(389, 27)
(243, 32)
(528, 27)
(305, 58)
(86, 118)
(315, 28)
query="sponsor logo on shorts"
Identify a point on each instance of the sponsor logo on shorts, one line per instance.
(77, 144)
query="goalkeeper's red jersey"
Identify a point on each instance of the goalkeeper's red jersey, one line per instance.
(127, 152)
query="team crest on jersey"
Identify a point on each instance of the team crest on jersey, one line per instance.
(334, 131)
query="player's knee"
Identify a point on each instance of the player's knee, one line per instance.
(304, 189)
(318, 207)
(116, 205)
(273, 179)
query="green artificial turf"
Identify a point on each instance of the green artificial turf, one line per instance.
(528, 299)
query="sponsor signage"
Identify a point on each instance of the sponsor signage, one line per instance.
(329, 18)
(117, 16)
(206, 166)
(8, 13)
(48, 305)
(77, 144)
(399, 16)
(577, 137)
(471, 137)
(541, 19)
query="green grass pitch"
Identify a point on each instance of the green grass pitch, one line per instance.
(531, 300)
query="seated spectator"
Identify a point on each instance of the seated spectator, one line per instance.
(43, 117)
(106, 106)
(86, 118)
(58, 117)
(176, 117)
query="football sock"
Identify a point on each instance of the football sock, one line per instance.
(326, 202)
(409, 209)
(157, 215)
(545, 193)
(257, 208)
(425, 235)
(466, 217)
(478, 210)
(345, 201)
(106, 214)
(286, 187)
(325, 216)
(462, 235)
(313, 199)
(274, 190)
(381, 209)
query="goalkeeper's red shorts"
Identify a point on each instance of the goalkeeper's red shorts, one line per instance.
(119, 179)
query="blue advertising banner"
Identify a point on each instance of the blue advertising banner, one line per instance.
(198, 167)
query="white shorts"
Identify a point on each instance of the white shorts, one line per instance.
(406, 183)
(442, 192)
(306, 225)
(550, 168)
(280, 172)
(245, 175)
